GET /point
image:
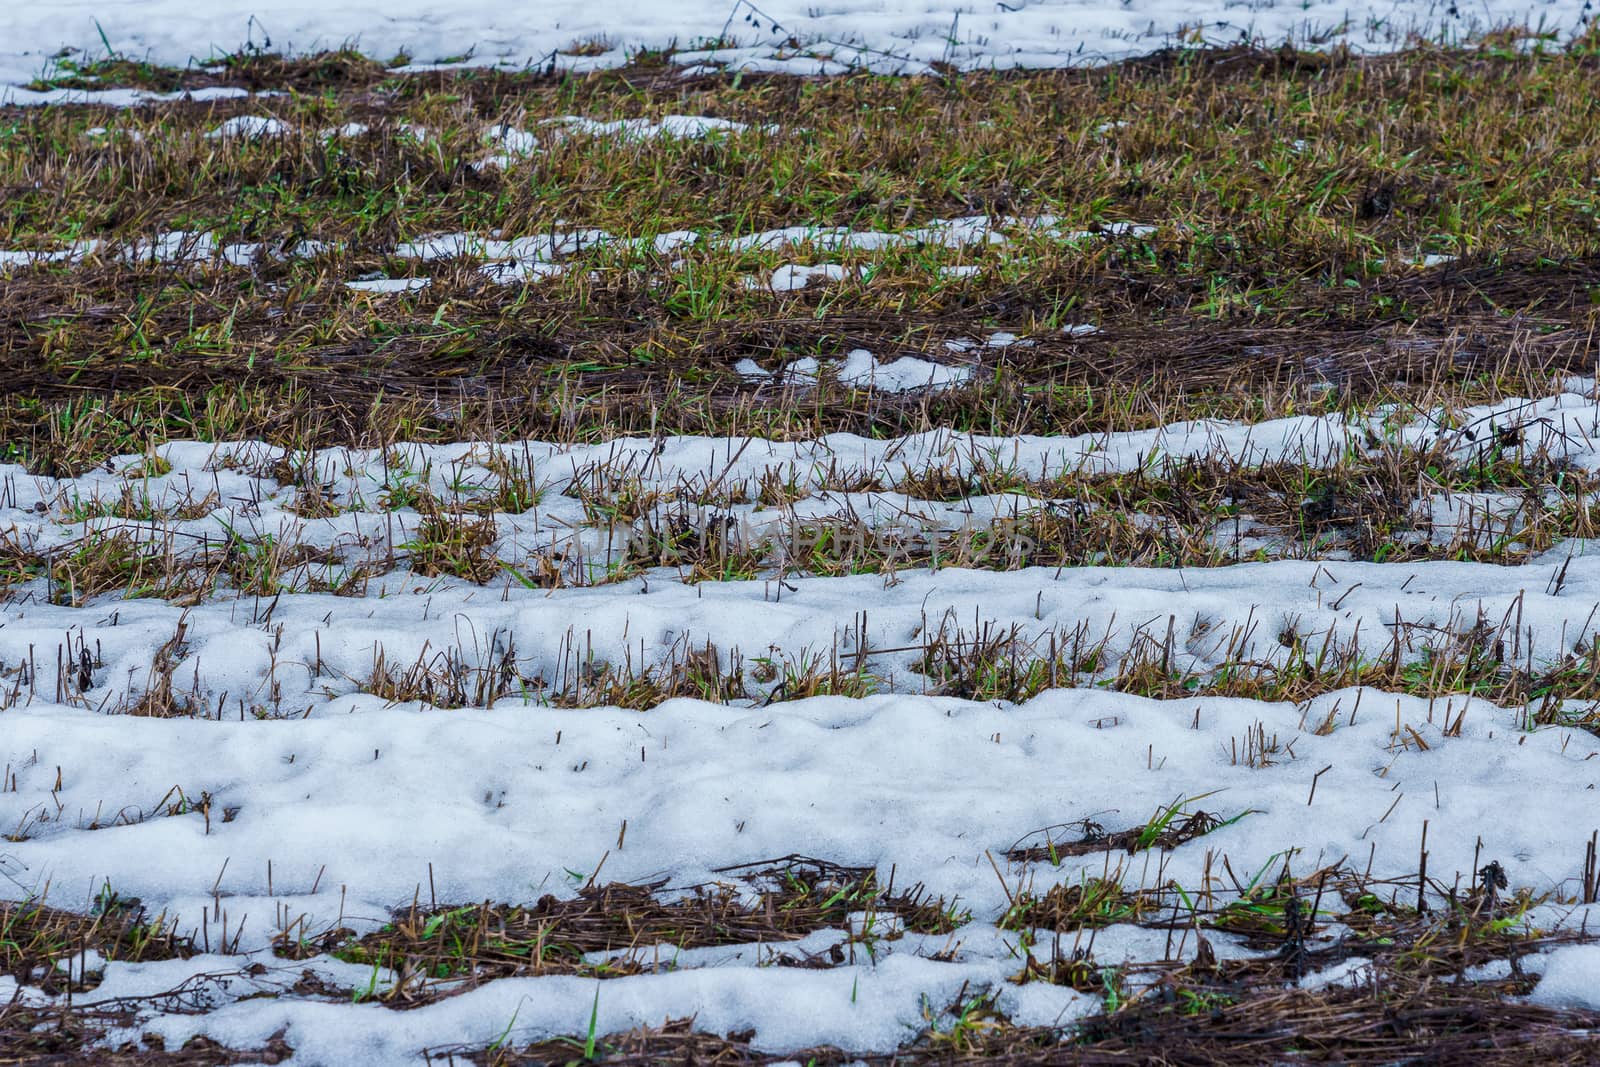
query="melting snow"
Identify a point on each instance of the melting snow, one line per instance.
(860, 368)
(352, 798)
(387, 285)
(792, 276)
(251, 127)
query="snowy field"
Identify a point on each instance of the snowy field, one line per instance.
(778, 35)
(940, 634)
(302, 788)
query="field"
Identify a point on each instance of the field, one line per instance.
(680, 563)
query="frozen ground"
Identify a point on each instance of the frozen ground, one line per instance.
(888, 35)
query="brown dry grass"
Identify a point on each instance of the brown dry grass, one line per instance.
(1414, 1003)
(1435, 1023)
(772, 903)
(1261, 293)
(35, 938)
(69, 1037)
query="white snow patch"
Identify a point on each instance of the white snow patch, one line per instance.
(795, 36)
(250, 128)
(116, 98)
(518, 794)
(387, 285)
(535, 256)
(861, 369)
(512, 144)
(1571, 979)
(1348, 974)
(793, 276)
(686, 127)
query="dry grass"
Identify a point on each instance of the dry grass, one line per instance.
(73, 1037)
(1277, 188)
(1469, 655)
(1488, 494)
(18, 562)
(1445, 1026)
(771, 903)
(38, 943)
(462, 546)
(1419, 941)
(1414, 999)
(1292, 196)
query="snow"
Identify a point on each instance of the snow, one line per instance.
(387, 285)
(364, 797)
(349, 130)
(119, 98)
(1571, 979)
(889, 36)
(541, 255)
(792, 276)
(356, 803)
(513, 145)
(250, 127)
(685, 127)
(180, 246)
(860, 368)
(863, 1007)
(27, 258)
(514, 141)
(1348, 974)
